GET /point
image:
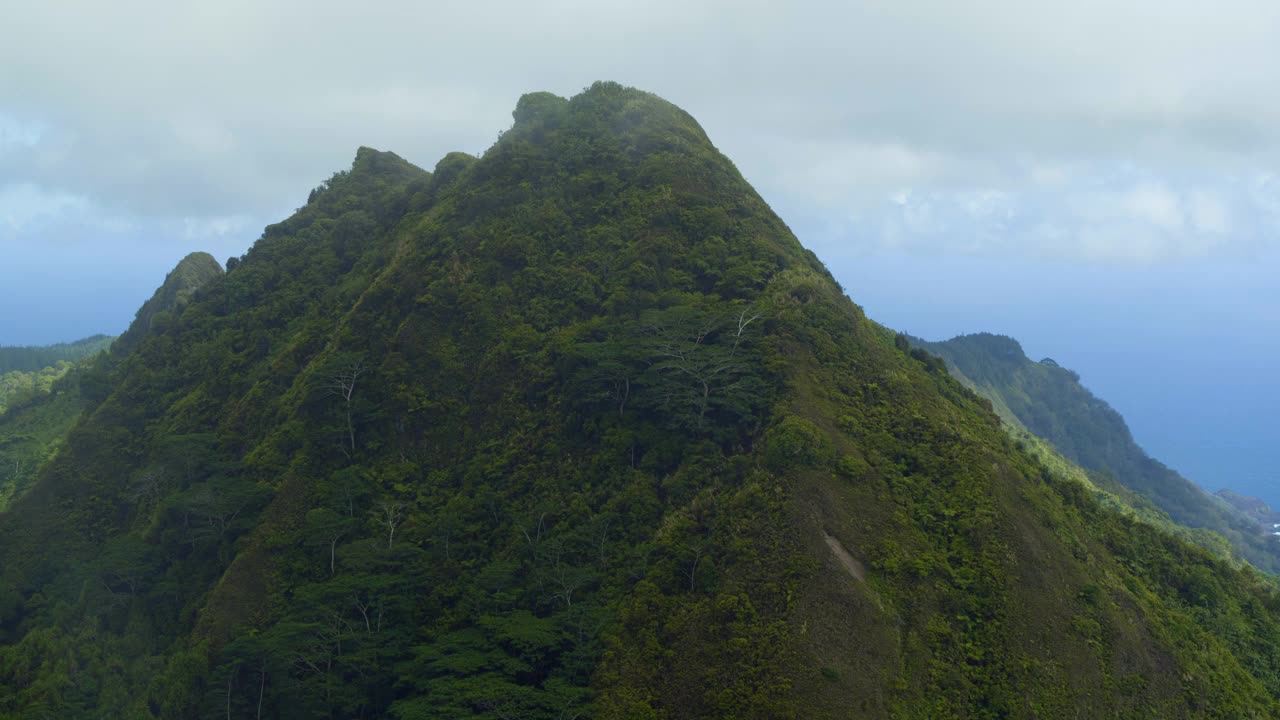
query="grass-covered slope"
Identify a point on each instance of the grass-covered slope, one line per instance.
(1050, 402)
(578, 429)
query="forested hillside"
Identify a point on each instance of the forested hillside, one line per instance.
(38, 408)
(1050, 402)
(18, 387)
(37, 358)
(32, 428)
(579, 429)
(28, 372)
(38, 403)
(192, 273)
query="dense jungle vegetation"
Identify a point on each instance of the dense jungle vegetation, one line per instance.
(38, 403)
(579, 429)
(37, 358)
(30, 372)
(38, 407)
(1049, 401)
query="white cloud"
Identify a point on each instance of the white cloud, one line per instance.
(994, 115)
(831, 173)
(1209, 212)
(1154, 205)
(15, 133)
(24, 206)
(1124, 217)
(198, 228)
(1050, 176)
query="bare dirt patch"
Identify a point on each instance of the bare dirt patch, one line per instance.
(850, 563)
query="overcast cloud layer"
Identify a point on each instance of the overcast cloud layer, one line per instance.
(1086, 130)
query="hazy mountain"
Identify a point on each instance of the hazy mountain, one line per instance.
(578, 429)
(1049, 401)
(1253, 507)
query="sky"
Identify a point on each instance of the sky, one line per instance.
(1096, 179)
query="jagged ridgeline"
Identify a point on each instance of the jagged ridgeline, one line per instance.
(578, 429)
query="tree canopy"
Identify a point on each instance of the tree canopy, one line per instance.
(575, 429)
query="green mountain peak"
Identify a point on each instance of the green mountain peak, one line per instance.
(382, 164)
(579, 428)
(190, 274)
(614, 110)
(538, 107)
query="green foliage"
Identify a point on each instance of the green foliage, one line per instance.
(795, 441)
(188, 276)
(578, 429)
(38, 359)
(18, 388)
(36, 410)
(38, 404)
(1050, 402)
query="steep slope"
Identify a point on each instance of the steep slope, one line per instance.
(191, 273)
(578, 429)
(38, 408)
(1050, 402)
(1254, 508)
(33, 427)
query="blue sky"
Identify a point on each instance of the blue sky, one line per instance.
(1097, 179)
(1185, 351)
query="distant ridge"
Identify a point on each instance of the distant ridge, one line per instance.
(189, 275)
(1049, 401)
(30, 358)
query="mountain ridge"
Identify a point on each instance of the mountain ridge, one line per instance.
(192, 272)
(579, 426)
(1049, 401)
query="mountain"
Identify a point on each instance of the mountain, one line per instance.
(191, 273)
(579, 429)
(37, 408)
(1255, 508)
(1049, 401)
